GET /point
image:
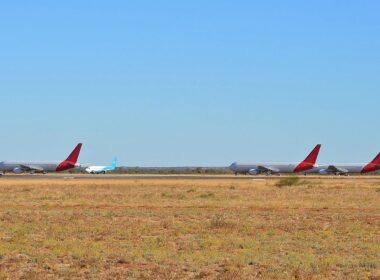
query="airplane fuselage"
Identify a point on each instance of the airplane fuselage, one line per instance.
(42, 166)
(37, 166)
(257, 168)
(346, 168)
(254, 168)
(99, 169)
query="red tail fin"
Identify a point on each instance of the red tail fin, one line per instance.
(309, 161)
(374, 165)
(376, 160)
(73, 157)
(312, 157)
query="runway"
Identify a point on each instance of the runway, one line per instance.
(129, 177)
(168, 177)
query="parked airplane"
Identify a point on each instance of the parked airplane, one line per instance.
(345, 169)
(102, 169)
(42, 167)
(271, 168)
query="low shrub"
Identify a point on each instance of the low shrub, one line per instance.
(288, 182)
(218, 221)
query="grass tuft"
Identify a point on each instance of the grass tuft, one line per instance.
(218, 221)
(288, 182)
(207, 195)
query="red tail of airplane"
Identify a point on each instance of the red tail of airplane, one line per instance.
(373, 165)
(376, 160)
(309, 161)
(72, 159)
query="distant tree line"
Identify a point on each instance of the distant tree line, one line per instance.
(173, 170)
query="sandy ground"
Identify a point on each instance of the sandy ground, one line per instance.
(100, 228)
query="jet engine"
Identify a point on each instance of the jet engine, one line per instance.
(18, 170)
(254, 171)
(323, 171)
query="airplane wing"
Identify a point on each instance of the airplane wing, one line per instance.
(271, 169)
(32, 168)
(335, 169)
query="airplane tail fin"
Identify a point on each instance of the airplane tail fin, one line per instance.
(114, 163)
(313, 156)
(376, 160)
(73, 157)
(310, 160)
(374, 165)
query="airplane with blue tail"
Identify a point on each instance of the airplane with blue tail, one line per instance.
(102, 169)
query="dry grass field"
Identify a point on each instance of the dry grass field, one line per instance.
(189, 229)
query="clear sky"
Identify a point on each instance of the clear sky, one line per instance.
(161, 83)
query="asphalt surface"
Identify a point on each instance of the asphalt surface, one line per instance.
(126, 177)
(168, 177)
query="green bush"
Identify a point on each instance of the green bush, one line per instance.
(288, 182)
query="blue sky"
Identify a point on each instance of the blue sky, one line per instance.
(161, 83)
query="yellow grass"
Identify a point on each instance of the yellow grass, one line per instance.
(192, 229)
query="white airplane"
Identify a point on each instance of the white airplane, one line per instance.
(102, 169)
(40, 166)
(270, 168)
(346, 168)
